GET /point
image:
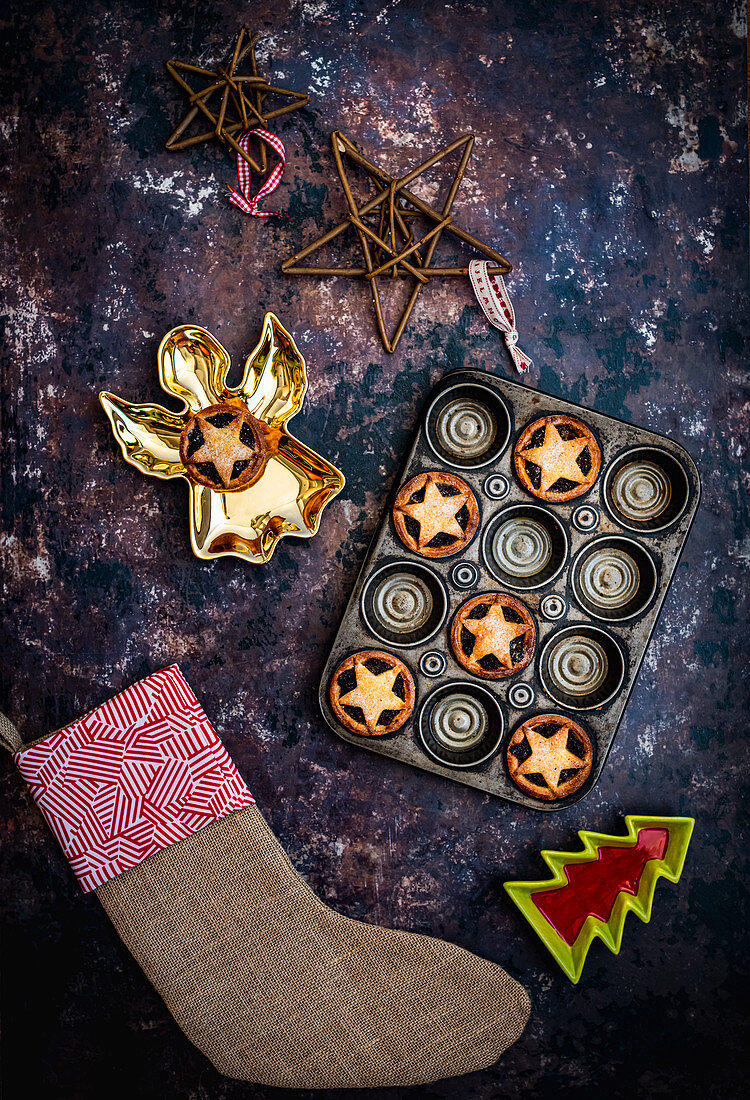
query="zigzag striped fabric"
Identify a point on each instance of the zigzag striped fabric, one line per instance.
(137, 774)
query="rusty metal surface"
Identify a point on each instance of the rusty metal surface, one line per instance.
(616, 440)
(610, 166)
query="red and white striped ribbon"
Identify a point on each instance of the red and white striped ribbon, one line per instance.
(494, 300)
(243, 198)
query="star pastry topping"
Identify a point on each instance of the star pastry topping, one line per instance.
(397, 231)
(221, 444)
(486, 633)
(374, 693)
(556, 458)
(443, 521)
(436, 514)
(549, 756)
(493, 635)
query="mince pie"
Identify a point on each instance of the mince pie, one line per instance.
(557, 458)
(223, 447)
(372, 693)
(549, 757)
(493, 636)
(436, 514)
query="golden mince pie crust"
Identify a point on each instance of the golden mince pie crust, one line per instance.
(436, 514)
(557, 458)
(493, 636)
(549, 757)
(372, 693)
(223, 448)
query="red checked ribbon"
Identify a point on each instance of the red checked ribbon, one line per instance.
(243, 198)
(493, 298)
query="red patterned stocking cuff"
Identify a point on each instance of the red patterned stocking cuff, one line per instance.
(137, 774)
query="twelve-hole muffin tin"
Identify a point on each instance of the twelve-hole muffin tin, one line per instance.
(529, 607)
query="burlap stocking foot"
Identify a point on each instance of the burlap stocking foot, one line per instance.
(272, 985)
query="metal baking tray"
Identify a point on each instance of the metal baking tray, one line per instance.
(609, 517)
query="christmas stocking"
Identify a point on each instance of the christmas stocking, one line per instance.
(272, 985)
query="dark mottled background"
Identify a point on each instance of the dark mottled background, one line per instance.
(610, 165)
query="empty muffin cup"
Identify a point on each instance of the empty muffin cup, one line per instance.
(646, 489)
(614, 578)
(460, 725)
(582, 667)
(524, 546)
(404, 603)
(468, 426)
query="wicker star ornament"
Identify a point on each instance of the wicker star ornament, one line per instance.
(251, 483)
(494, 634)
(232, 103)
(385, 226)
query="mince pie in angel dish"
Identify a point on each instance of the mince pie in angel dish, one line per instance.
(549, 757)
(436, 514)
(493, 636)
(372, 693)
(250, 481)
(557, 458)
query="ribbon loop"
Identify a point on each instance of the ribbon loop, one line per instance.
(243, 198)
(498, 309)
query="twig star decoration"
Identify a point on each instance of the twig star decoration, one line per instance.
(240, 100)
(386, 233)
(251, 482)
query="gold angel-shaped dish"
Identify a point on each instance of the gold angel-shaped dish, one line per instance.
(250, 481)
